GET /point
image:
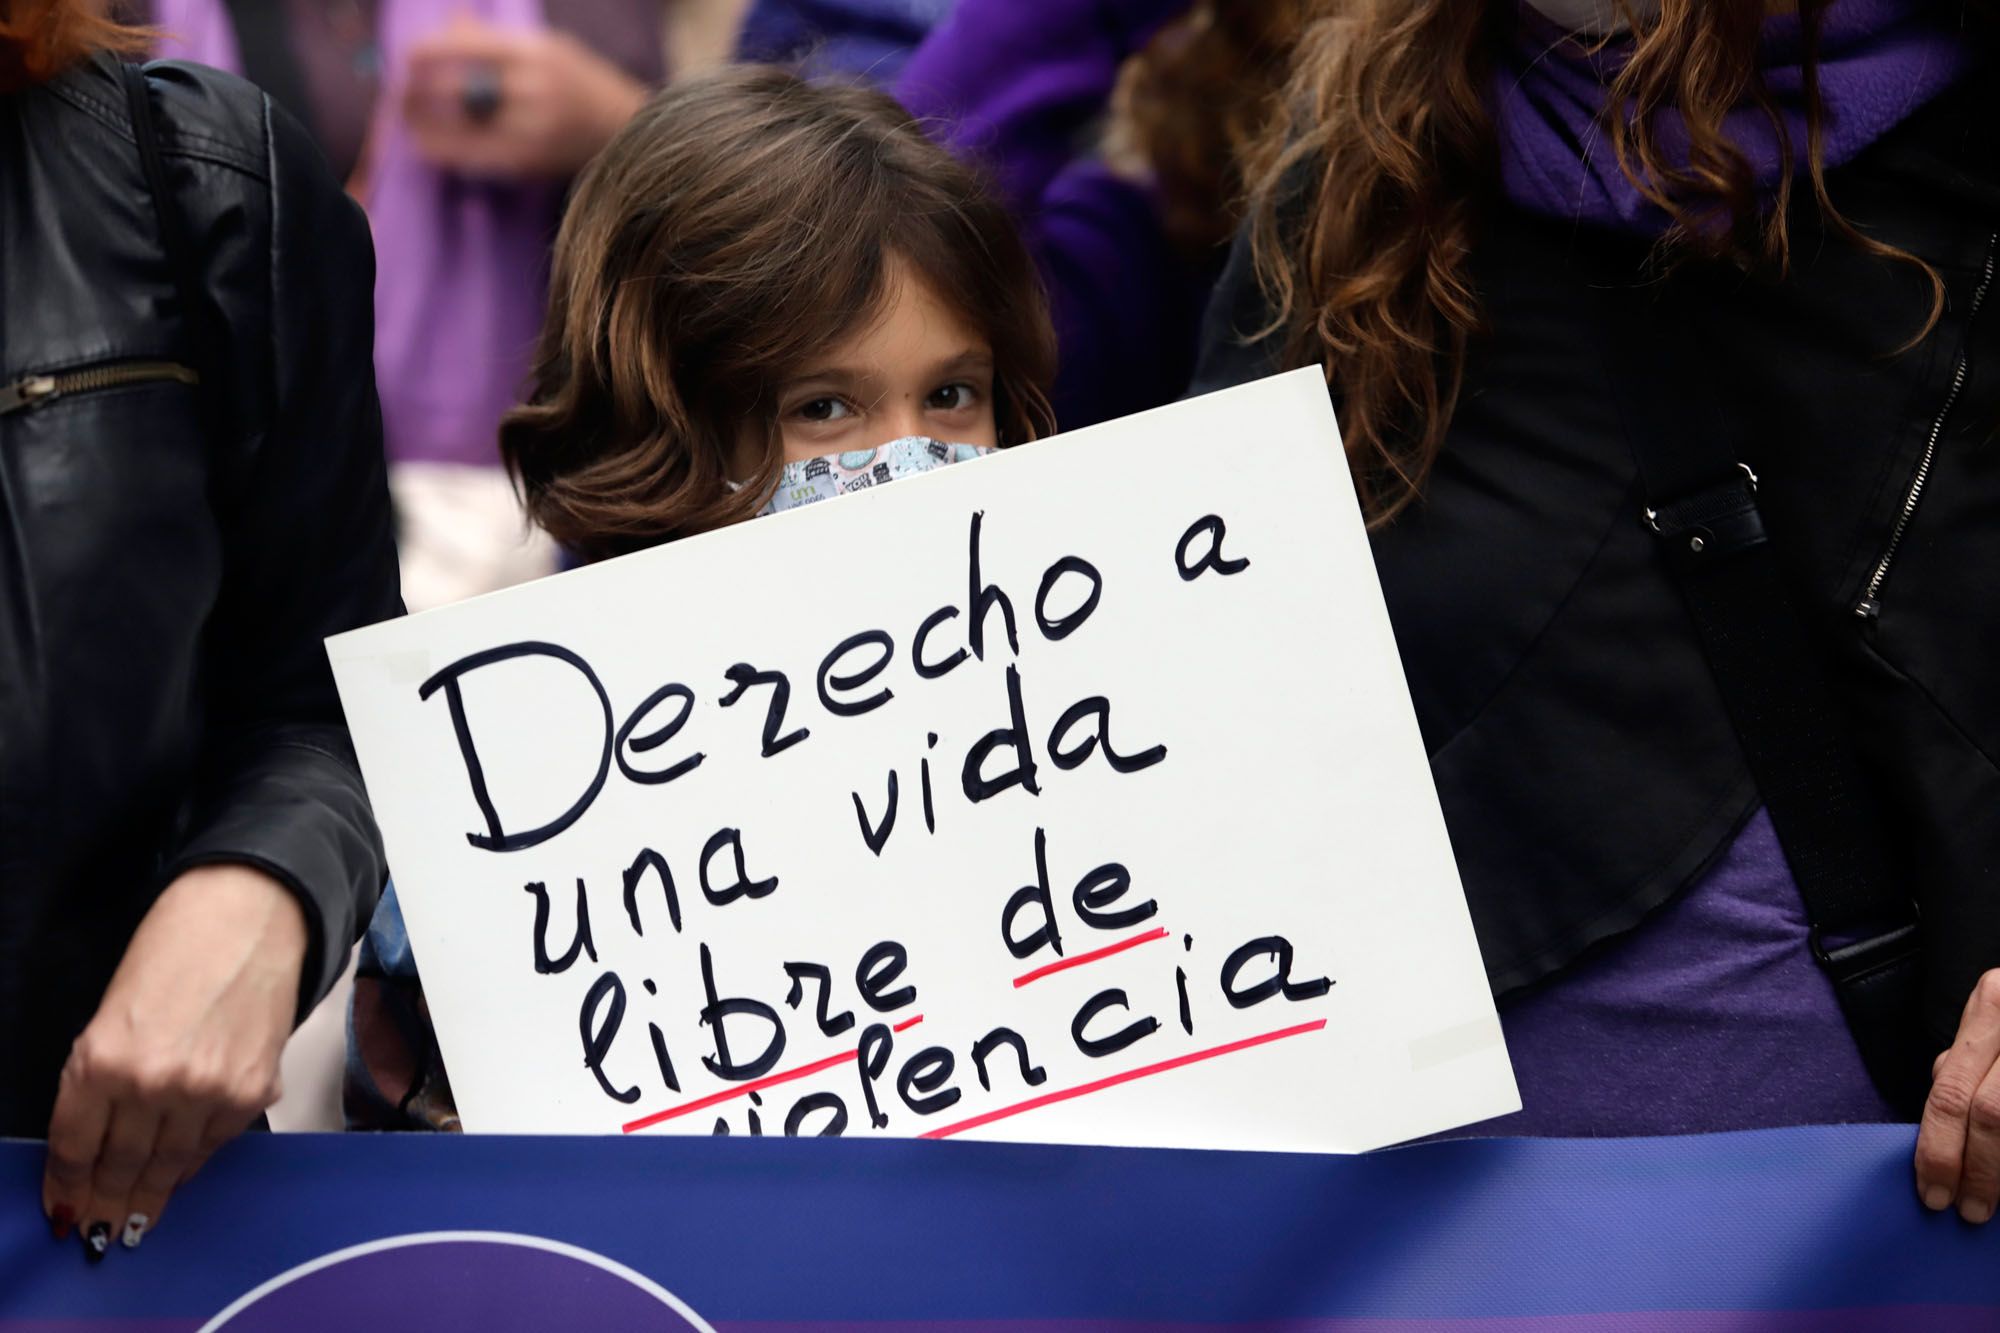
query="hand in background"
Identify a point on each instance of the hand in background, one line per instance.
(182, 1054)
(1958, 1147)
(514, 105)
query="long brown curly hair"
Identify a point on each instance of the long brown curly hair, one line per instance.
(1369, 184)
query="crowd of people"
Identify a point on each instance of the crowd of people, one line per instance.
(1655, 331)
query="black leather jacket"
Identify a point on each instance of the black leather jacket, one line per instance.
(1585, 763)
(170, 559)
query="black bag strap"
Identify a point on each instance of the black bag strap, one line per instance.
(1701, 504)
(207, 336)
(166, 212)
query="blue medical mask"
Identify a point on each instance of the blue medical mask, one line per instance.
(816, 479)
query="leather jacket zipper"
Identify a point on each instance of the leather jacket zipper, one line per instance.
(33, 391)
(1870, 605)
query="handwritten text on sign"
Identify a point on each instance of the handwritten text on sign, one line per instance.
(1071, 794)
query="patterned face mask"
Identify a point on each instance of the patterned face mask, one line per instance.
(817, 479)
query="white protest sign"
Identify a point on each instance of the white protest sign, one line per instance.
(1070, 795)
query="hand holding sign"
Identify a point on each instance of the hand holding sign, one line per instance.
(1033, 808)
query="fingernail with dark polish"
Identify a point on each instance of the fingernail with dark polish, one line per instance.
(62, 1219)
(96, 1241)
(135, 1231)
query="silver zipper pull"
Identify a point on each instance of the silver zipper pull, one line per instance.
(25, 393)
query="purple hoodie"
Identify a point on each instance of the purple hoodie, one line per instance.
(1017, 86)
(865, 39)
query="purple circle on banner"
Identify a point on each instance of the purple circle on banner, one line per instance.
(494, 1281)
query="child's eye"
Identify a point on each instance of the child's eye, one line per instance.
(952, 397)
(823, 409)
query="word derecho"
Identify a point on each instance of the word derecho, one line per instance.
(753, 1015)
(1071, 795)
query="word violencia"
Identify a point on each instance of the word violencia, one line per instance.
(926, 1081)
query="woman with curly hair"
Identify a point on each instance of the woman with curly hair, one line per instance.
(1659, 341)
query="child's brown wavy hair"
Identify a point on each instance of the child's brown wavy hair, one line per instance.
(741, 223)
(1387, 129)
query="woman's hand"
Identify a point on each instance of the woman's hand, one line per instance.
(1958, 1147)
(515, 105)
(182, 1054)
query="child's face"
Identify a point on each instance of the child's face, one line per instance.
(917, 369)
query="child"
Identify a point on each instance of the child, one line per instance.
(761, 271)
(765, 292)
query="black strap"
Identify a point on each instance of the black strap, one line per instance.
(1702, 506)
(207, 338)
(263, 31)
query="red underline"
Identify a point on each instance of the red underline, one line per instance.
(1060, 965)
(1144, 1071)
(757, 1085)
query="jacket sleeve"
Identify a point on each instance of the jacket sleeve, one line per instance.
(308, 551)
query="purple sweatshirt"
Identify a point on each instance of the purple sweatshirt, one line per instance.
(856, 39)
(1017, 86)
(1879, 61)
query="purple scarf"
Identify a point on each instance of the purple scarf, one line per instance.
(1879, 60)
(460, 265)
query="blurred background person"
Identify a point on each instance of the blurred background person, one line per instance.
(1117, 133)
(457, 123)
